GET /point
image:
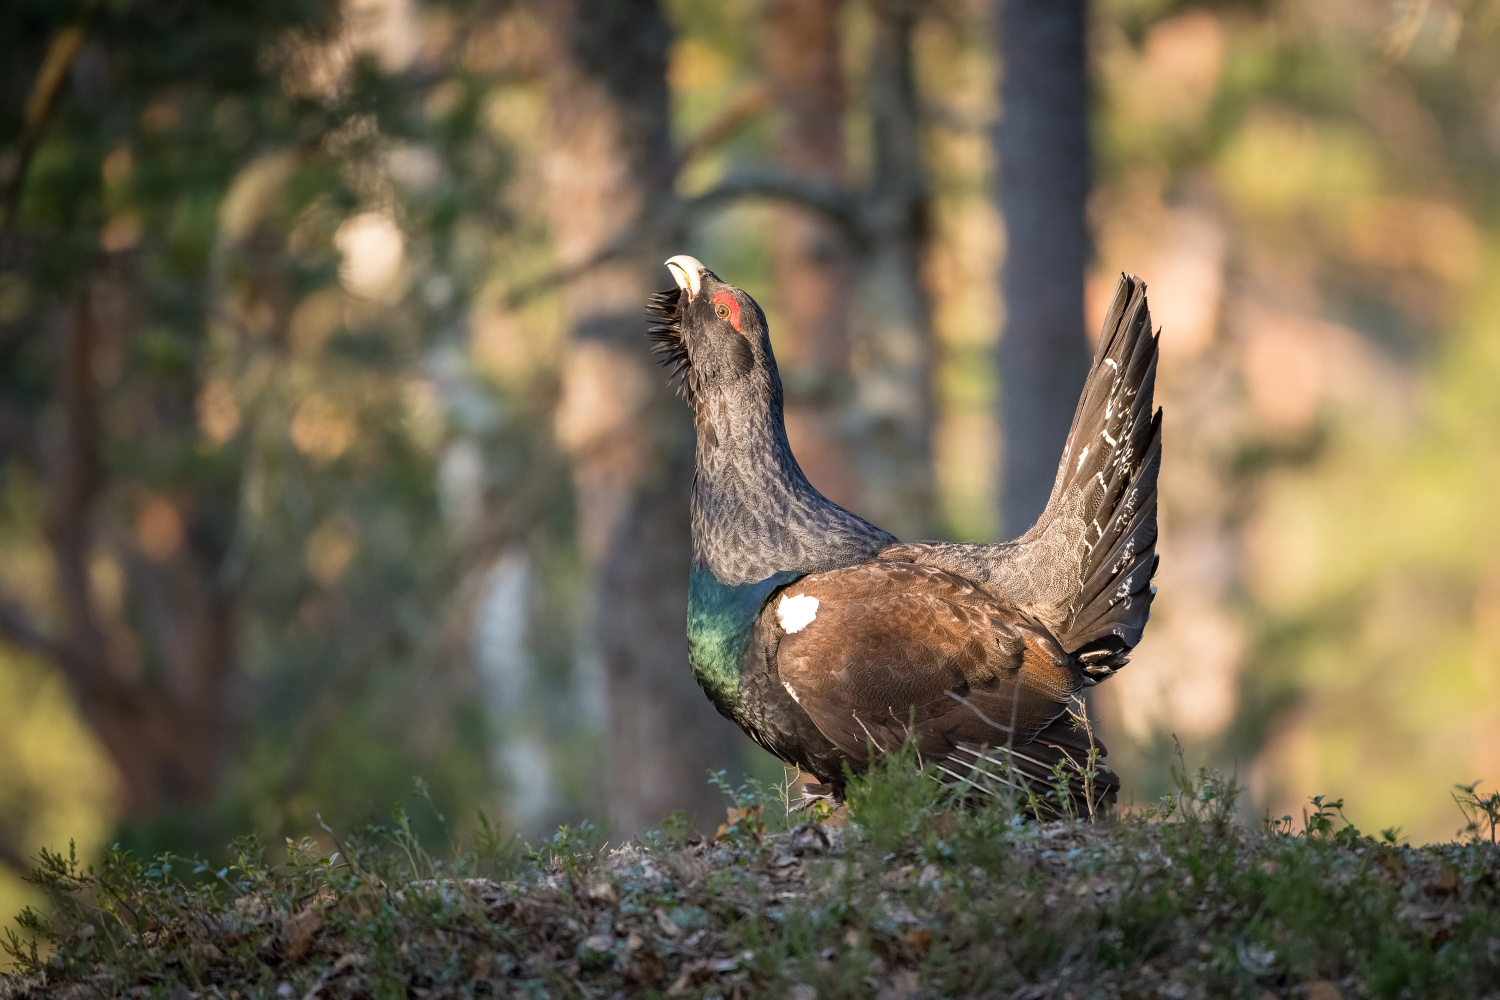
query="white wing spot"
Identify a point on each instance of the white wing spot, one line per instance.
(1084, 456)
(796, 613)
(791, 691)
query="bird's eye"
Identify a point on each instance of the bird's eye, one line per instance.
(727, 309)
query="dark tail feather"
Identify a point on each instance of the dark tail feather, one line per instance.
(1109, 469)
(1115, 600)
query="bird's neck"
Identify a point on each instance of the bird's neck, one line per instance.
(754, 513)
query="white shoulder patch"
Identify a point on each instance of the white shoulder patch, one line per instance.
(796, 613)
(791, 691)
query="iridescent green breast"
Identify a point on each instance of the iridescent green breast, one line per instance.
(719, 623)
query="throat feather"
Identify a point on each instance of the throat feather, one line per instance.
(721, 618)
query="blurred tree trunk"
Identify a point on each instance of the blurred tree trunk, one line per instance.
(150, 680)
(609, 169)
(802, 59)
(1043, 151)
(895, 314)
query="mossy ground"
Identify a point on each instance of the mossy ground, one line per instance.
(915, 897)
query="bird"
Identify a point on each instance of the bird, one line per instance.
(827, 640)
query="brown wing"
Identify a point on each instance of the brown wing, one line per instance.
(893, 648)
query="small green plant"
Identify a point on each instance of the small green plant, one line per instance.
(1481, 813)
(1086, 772)
(1203, 799)
(672, 834)
(895, 797)
(756, 809)
(495, 853)
(571, 850)
(1277, 826)
(419, 862)
(1320, 822)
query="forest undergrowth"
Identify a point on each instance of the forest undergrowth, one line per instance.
(908, 893)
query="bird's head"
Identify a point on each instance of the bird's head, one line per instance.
(711, 334)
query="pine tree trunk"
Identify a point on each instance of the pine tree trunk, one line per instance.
(895, 343)
(802, 59)
(630, 441)
(1043, 151)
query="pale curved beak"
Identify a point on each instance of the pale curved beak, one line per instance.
(687, 272)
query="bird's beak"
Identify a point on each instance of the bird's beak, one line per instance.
(687, 272)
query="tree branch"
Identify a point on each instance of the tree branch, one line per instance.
(18, 436)
(40, 107)
(73, 484)
(844, 209)
(568, 273)
(750, 102)
(17, 627)
(12, 855)
(838, 204)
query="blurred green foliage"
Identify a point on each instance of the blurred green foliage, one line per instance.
(1309, 189)
(279, 238)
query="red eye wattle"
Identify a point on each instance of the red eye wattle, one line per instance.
(725, 307)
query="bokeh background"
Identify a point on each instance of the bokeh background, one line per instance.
(334, 473)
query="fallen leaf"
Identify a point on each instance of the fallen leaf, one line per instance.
(297, 933)
(903, 983)
(645, 969)
(689, 868)
(206, 950)
(1445, 884)
(668, 928)
(695, 973)
(808, 838)
(741, 822)
(602, 891)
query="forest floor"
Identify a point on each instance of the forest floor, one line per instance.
(914, 897)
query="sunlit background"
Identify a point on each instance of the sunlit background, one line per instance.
(311, 465)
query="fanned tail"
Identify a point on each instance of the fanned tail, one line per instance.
(1108, 477)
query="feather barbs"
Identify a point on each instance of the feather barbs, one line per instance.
(669, 340)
